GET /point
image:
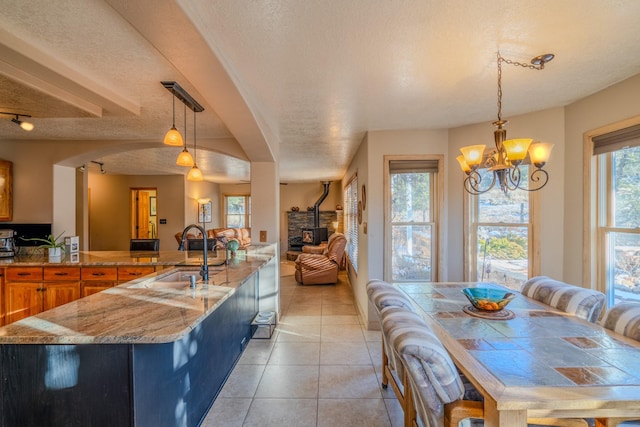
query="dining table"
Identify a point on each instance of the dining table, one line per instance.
(531, 360)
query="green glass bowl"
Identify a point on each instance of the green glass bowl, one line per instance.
(488, 299)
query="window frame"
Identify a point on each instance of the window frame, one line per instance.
(592, 268)
(471, 226)
(247, 213)
(351, 228)
(437, 203)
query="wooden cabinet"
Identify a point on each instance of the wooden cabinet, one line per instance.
(97, 279)
(126, 274)
(26, 290)
(32, 290)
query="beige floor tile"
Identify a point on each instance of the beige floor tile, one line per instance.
(282, 413)
(257, 352)
(243, 381)
(340, 319)
(372, 335)
(295, 353)
(298, 332)
(286, 381)
(349, 382)
(352, 413)
(338, 309)
(304, 309)
(300, 298)
(227, 412)
(396, 414)
(342, 333)
(344, 353)
(292, 319)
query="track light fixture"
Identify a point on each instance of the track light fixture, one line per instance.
(28, 126)
(101, 164)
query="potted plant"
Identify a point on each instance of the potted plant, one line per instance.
(54, 245)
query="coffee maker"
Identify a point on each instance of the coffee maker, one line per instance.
(7, 243)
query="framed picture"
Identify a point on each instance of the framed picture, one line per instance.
(6, 190)
(364, 197)
(153, 209)
(360, 212)
(204, 212)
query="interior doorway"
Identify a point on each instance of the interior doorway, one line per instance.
(144, 213)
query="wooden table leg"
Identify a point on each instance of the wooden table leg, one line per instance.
(495, 418)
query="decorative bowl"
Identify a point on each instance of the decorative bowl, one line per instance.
(487, 299)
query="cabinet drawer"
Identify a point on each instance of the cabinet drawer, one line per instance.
(99, 273)
(54, 274)
(24, 274)
(129, 273)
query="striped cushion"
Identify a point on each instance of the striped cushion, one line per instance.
(433, 377)
(584, 303)
(382, 295)
(624, 318)
(396, 321)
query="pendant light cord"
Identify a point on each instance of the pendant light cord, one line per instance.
(195, 151)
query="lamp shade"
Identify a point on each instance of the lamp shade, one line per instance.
(516, 148)
(473, 154)
(173, 138)
(195, 174)
(539, 153)
(184, 158)
(463, 165)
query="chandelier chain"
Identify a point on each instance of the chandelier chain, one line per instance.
(510, 62)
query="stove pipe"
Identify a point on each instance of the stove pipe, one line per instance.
(316, 206)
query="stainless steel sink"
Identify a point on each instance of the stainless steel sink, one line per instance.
(174, 279)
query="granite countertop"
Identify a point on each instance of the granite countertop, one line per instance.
(115, 258)
(129, 314)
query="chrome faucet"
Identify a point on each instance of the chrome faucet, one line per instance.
(204, 270)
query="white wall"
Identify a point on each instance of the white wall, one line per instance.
(64, 201)
(611, 105)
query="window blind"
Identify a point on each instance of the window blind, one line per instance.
(413, 166)
(616, 140)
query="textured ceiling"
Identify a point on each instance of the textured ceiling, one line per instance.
(301, 81)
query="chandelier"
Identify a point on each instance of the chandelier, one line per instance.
(507, 156)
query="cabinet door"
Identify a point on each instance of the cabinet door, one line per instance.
(90, 287)
(22, 300)
(59, 293)
(2, 310)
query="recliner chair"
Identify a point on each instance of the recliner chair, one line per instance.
(316, 269)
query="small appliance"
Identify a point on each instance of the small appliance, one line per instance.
(7, 243)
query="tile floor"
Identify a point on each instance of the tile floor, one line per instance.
(320, 368)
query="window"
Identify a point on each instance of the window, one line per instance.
(499, 242)
(618, 213)
(237, 211)
(351, 221)
(413, 233)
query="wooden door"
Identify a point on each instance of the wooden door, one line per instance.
(57, 294)
(143, 215)
(22, 300)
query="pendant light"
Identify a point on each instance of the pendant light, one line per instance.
(184, 158)
(509, 154)
(195, 174)
(173, 137)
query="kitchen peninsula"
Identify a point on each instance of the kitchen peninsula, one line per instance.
(142, 353)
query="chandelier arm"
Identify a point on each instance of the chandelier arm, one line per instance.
(538, 175)
(515, 178)
(473, 181)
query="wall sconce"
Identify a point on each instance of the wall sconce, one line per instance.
(28, 126)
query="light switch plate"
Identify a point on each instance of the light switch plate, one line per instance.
(263, 236)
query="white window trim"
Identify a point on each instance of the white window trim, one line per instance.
(437, 199)
(592, 274)
(247, 214)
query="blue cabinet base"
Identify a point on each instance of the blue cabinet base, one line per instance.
(171, 384)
